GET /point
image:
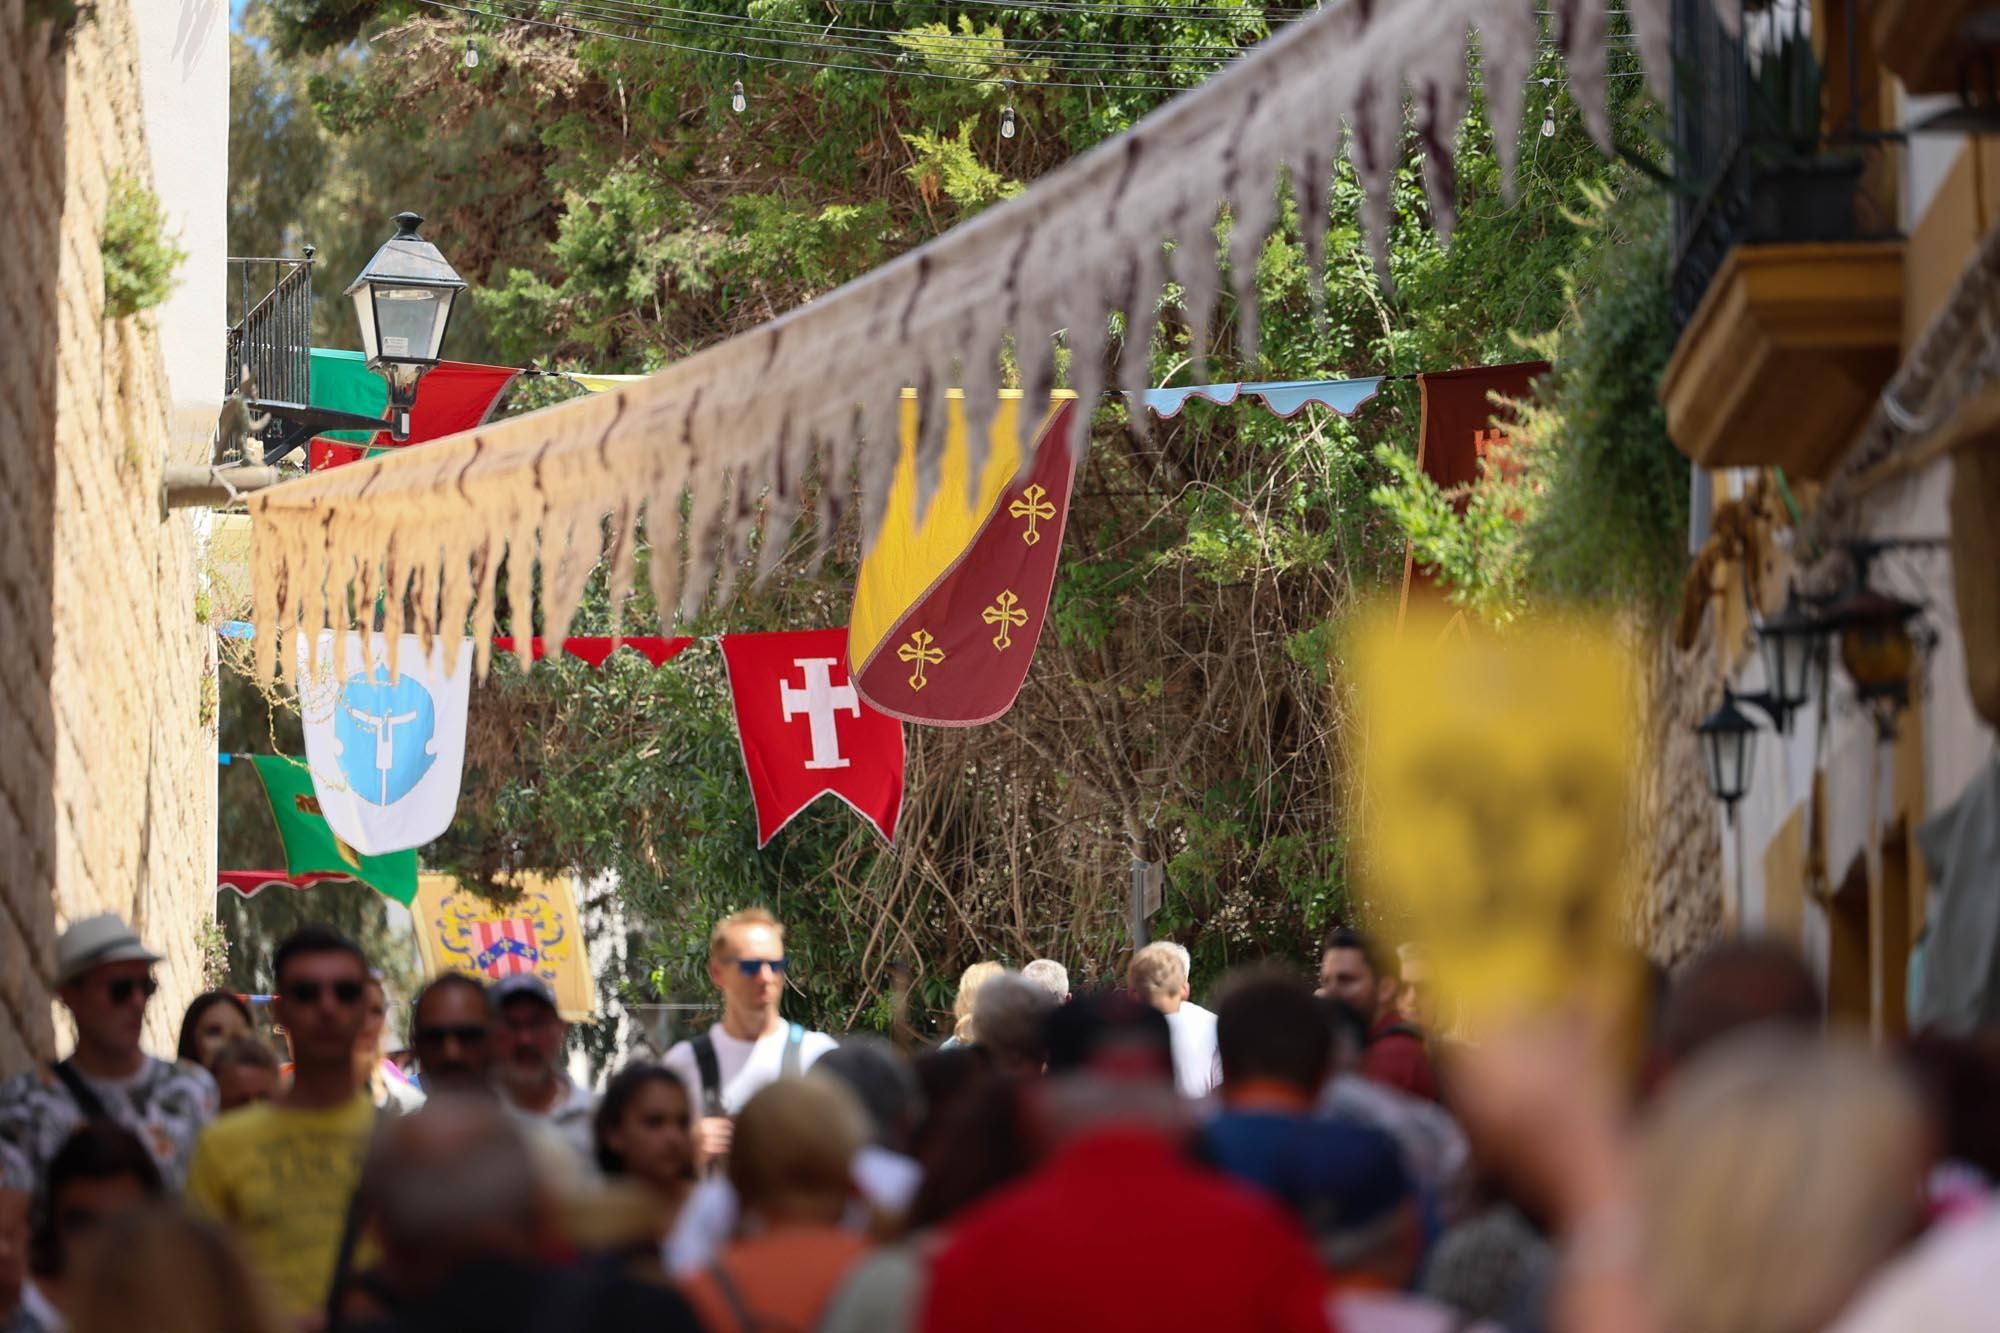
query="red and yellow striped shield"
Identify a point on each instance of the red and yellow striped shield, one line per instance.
(947, 611)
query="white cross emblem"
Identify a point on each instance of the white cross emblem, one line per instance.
(820, 701)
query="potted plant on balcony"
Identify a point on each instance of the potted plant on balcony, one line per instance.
(1794, 188)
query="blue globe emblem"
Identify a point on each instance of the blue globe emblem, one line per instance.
(385, 732)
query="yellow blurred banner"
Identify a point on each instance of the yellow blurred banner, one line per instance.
(540, 931)
(1495, 800)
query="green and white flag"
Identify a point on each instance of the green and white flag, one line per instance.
(310, 844)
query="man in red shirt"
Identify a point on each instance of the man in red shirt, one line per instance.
(1350, 970)
(1120, 1230)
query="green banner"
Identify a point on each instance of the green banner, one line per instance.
(311, 847)
(342, 380)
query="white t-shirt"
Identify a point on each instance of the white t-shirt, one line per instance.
(1197, 1065)
(747, 1067)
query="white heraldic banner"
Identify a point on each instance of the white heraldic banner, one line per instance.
(386, 753)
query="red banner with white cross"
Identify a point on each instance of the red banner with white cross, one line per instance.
(806, 731)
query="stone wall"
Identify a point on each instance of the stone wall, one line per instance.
(1680, 906)
(107, 738)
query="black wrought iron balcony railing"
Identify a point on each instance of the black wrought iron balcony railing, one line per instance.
(270, 337)
(1757, 158)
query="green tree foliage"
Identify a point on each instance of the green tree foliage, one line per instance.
(1595, 506)
(1184, 704)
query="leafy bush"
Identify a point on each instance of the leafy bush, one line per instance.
(1598, 506)
(139, 259)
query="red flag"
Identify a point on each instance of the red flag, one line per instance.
(805, 730)
(596, 649)
(959, 650)
(1463, 427)
(451, 397)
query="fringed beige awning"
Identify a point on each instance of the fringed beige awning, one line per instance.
(737, 427)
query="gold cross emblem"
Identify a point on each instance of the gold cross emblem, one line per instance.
(919, 651)
(1006, 612)
(1033, 506)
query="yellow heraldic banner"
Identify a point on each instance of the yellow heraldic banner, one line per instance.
(539, 932)
(1497, 781)
(948, 607)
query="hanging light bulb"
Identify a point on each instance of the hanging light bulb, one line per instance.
(471, 55)
(1549, 121)
(1007, 123)
(738, 101)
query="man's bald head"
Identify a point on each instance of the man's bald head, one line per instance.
(1735, 985)
(452, 1182)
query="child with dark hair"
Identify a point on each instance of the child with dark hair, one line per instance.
(102, 1171)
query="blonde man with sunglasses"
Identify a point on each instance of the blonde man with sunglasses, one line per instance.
(753, 1046)
(104, 977)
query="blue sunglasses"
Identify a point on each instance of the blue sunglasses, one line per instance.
(750, 967)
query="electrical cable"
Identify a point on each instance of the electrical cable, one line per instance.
(600, 11)
(928, 46)
(1062, 46)
(1167, 63)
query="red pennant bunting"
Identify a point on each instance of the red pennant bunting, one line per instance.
(805, 730)
(596, 649)
(249, 883)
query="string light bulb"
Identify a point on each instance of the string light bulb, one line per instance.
(1549, 121)
(739, 102)
(471, 55)
(1007, 113)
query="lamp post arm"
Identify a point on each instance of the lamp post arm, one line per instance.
(318, 418)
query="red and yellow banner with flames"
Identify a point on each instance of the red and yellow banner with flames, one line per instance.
(949, 604)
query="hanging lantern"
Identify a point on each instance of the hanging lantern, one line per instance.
(1728, 747)
(1875, 644)
(1789, 643)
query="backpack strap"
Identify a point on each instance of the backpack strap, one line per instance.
(793, 1062)
(711, 1075)
(86, 1099)
(732, 1296)
(343, 1276)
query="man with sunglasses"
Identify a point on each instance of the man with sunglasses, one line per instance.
(104, 977)
(281, 1174)
(753, 1045)
(528, 1071)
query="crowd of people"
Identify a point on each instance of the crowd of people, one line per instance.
(1300, 1157)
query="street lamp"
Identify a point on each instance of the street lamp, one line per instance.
(1728, 745)
(1876, 646)
(1789, 643)
(403, 299)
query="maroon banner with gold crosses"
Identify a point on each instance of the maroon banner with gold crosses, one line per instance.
(958, 656)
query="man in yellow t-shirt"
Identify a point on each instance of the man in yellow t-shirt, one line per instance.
(281, 1174)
